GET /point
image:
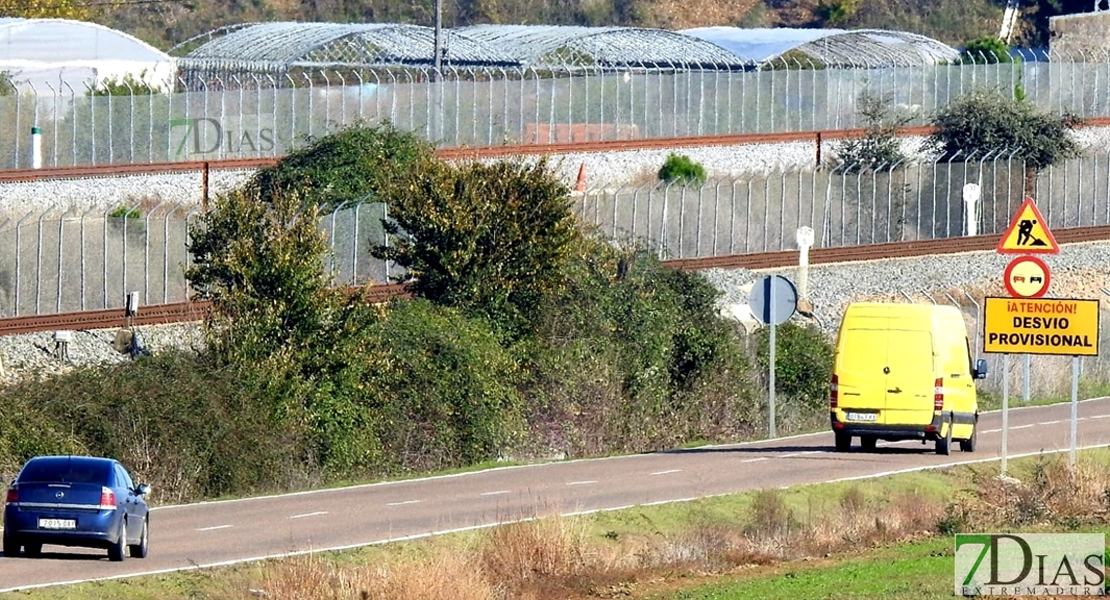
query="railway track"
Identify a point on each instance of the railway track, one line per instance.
(194, 311)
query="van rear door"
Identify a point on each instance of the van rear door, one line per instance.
(888, 371)
(911, 379)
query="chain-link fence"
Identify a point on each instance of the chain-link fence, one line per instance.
(244, 115)
(59, 261)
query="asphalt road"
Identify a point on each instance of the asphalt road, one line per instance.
(207, 534)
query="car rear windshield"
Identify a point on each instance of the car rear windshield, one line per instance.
(65, 471)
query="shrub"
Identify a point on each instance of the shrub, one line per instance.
(879, 147)
(803, 362)
(490, 239)
(985, 122)
(986, 50)
(355, 164)
(681, 169)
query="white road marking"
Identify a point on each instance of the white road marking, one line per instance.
(1099, 417)
(586, 482)
(754, 459)
(800, 453)
(311, 514)
(497, 493)
(990, 431)
(1049, 422)
(1024, 426)
(213, 528)
(403, 503)
(667, 472)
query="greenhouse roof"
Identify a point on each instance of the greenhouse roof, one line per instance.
(551, 45)
(833, 47)
(278, 46)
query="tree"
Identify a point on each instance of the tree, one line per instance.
(45, 9)
(261, 262)
(488, 238)
(879, 147)
(986, 50)
(986, 122)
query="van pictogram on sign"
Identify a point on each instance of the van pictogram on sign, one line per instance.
(1028, 233)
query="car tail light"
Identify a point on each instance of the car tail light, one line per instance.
(938, 394)
(834, 392)
(107, 499)
(12, 496)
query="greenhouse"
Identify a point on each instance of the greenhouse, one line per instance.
(64, 57)
(568, 46)
(863, 48)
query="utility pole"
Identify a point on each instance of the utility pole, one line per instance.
(438, 49)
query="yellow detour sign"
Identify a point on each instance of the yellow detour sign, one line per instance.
(1028, 233)
(1041, 326)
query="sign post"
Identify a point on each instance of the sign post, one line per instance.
(773, 301)
(1005, 407)
(1074, 408)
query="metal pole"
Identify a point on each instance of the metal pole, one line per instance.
(1074, 408)
(1025, 378)
(1005, 406)
(771, 349)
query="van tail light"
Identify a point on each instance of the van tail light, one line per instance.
(107, 499)
(834, 392)
(938, 394)
(12, 496)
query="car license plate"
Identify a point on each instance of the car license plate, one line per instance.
(854, 416)
(57, 524)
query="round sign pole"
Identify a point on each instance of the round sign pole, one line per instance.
(771, 349)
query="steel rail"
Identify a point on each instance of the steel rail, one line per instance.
(194, 311)
(817, 137)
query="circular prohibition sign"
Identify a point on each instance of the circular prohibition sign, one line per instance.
(1027, 277)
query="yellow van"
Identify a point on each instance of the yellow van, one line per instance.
(904, 371)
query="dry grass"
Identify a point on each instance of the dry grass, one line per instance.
(559, 557)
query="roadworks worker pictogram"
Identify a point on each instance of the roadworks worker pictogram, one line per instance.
(1028, 233)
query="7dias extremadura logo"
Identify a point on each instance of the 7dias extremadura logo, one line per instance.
(1043, 564)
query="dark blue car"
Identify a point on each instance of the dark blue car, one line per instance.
(76, 501)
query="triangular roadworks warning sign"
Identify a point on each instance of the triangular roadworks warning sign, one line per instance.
(1028, 233)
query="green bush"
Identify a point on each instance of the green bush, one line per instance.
(489, 239)
(879, 147)
(681, 169)
(803, 363)
(355, 164)
(985, 122)
(986, 50)
(631, 356)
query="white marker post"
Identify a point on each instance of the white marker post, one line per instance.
(1025, 384)
(804, 236)
(36, 148)
(972, 194)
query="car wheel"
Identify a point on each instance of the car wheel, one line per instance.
(867, 442)
(140, 550)
(944, 444)
(968, 445)
(118, 551)
(11, 546)
(843, 441)
(32, 550)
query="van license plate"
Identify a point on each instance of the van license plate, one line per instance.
(854, 416)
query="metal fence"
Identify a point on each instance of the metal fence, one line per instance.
(59, 261)
(243, 115)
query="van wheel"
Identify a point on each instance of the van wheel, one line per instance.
(867, 442)
(843, 441)
(968, 445)
(944, 444)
